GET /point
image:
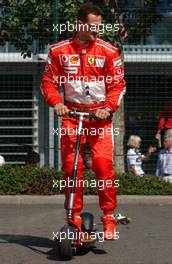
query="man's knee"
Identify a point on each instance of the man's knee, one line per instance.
(68, 168)
(103, 167)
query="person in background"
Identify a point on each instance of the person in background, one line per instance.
(165, 123)
(134, 156)
(2, 160)
(164, 164)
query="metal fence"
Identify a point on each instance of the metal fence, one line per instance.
(26, 122)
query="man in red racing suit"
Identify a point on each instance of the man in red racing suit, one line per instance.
(91, 73)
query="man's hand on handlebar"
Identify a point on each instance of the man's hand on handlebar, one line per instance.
(60, 109)
(102, 114)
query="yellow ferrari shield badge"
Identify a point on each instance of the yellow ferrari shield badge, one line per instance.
(91, 60)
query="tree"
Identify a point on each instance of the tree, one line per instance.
(28, 24)
(25, 24)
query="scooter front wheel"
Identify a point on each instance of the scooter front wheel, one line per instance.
(66, 244)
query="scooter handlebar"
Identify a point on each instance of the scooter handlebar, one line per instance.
(84, 114)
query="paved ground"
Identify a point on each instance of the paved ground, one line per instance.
(89, 199)
(26, 235)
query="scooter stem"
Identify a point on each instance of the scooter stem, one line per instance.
(74, 171)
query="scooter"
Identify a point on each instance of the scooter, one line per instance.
(72, 239)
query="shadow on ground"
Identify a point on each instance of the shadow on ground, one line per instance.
(35, 243)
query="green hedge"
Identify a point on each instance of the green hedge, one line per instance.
(34, 180)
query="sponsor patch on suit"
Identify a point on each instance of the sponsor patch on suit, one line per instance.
(95, 61)
(117, 62)
(70, 60)
(70, 69)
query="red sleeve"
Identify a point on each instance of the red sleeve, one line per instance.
(166, 113)
(115, 83)
(49, 82)
(161, 122)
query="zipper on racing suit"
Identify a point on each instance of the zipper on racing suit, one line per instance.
(83, 72)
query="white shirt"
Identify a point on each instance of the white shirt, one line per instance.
(134, 157)
(164, 164)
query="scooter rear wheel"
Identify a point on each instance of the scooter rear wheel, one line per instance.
(66, 244)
